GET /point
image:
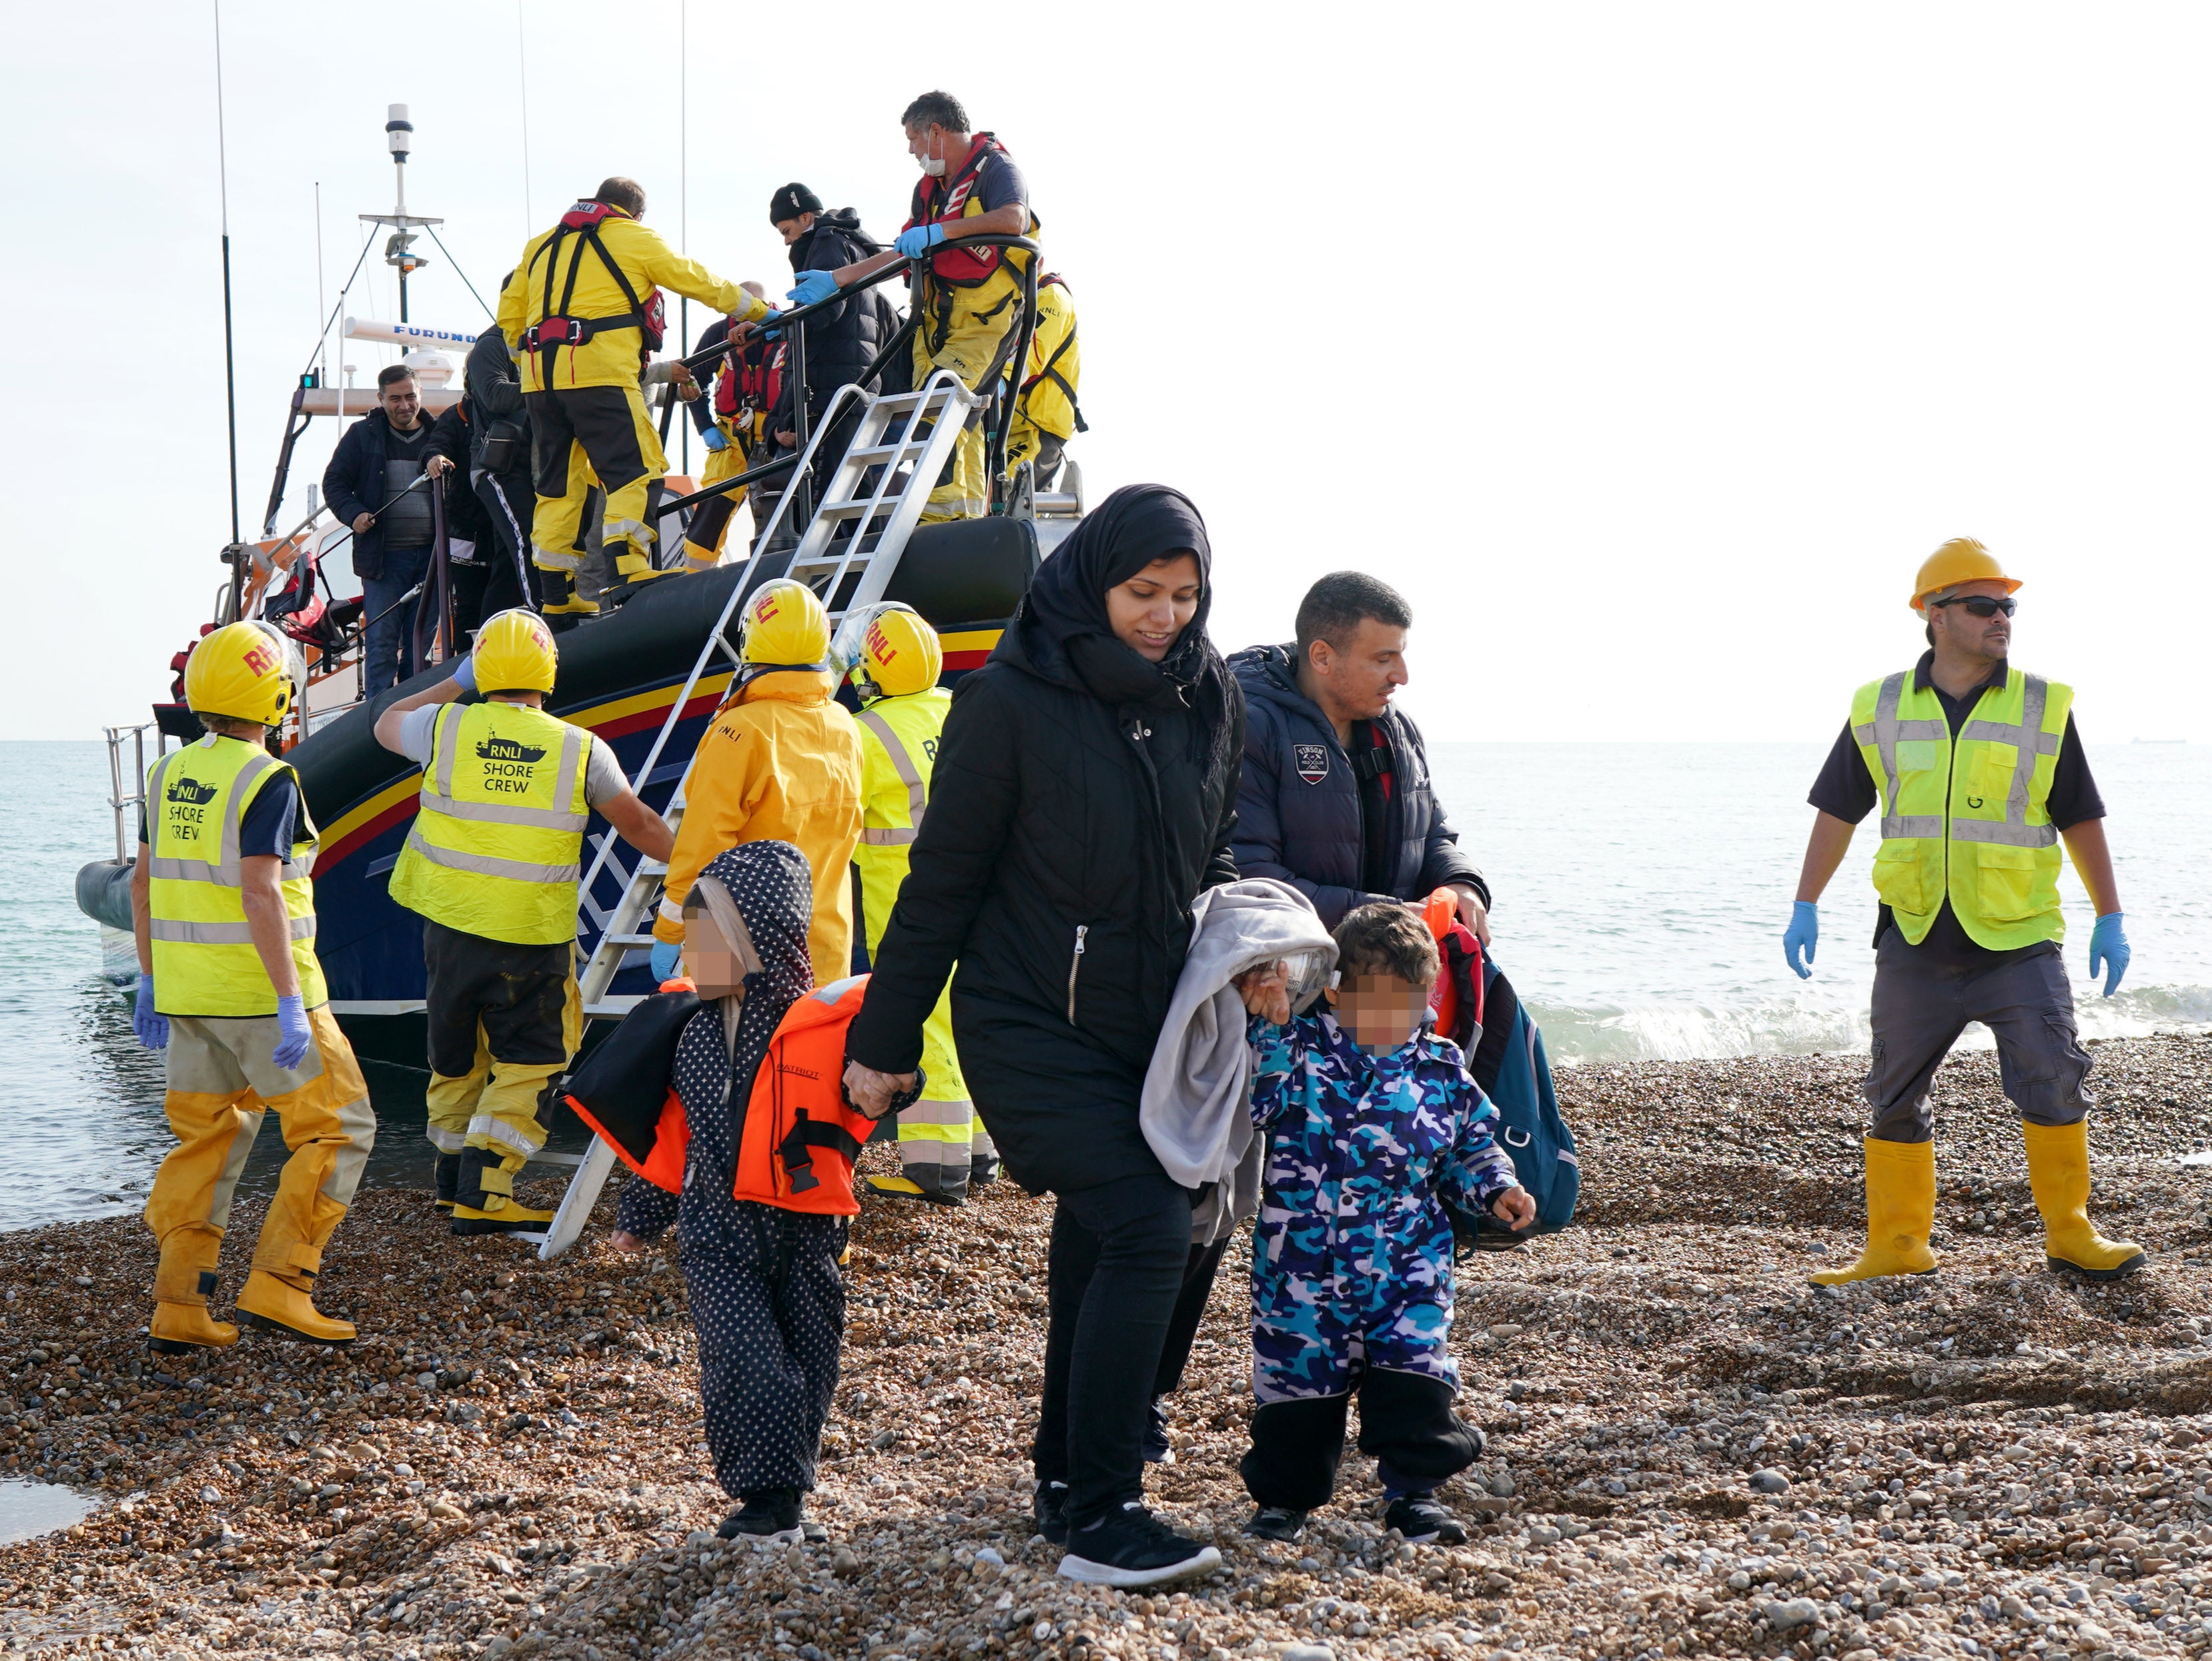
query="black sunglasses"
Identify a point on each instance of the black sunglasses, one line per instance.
(1981, 605)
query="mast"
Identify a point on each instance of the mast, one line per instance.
(399, 248)
(229, 350)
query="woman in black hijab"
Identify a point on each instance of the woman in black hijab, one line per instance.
(1084, 793)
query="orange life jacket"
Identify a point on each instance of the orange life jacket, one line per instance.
(1457, 1001)
(799, 1141)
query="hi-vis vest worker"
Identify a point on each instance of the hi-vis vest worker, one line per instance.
(781, 762)
(230, 987)
(581, 314)
(1977, 773)
(893, 659)
(492, 865)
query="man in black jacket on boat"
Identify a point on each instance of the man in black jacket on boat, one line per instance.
(841, 341)
(499, 470)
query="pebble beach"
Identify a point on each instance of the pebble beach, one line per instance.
(1691, 1450)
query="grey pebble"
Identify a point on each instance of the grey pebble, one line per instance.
(1769, 1480)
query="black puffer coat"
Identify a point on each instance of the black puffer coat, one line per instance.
(1082, 798)
(843, 339)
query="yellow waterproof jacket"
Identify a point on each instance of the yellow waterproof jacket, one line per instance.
(781, 763)
(1055, 365)
(608, 359)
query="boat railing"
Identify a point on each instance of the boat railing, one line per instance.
(125, 792)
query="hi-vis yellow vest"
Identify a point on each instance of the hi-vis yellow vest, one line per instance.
(1966, 820)
(898, 752)
(204, 962)
(499, 833)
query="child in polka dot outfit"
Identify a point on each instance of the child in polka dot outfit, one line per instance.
(768, 1299)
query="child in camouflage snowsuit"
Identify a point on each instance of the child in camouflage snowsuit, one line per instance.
(1373, 1127)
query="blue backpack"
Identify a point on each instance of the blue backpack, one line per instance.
(1509, 1063)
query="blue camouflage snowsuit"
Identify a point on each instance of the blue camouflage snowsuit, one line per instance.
(1351, 1255)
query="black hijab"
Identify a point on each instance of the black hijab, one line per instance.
(1062, 633)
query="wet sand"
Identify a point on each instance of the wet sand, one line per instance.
(1692, 1451)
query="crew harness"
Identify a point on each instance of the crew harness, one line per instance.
(557, 329)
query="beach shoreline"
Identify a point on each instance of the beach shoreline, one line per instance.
(509, 1463)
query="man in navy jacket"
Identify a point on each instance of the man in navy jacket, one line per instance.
(1336, 797)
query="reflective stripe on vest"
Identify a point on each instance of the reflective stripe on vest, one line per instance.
(481, 861)
(917, 792)
(1963, 820)
(205, 962)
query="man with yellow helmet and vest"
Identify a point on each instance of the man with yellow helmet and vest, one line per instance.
(229, 984)
(492, 864)
(969, 301)
(781, 762)
(893, 659)
(1978, 772)
(581, 313)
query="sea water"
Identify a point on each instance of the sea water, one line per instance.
(1641, 891)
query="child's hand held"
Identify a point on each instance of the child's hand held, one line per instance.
(1515, 1208)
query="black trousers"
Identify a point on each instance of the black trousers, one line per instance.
(1199, 1271)
(1406, 1423)
(768, 1301)
(1116, 1265)
(519, 994)
(499, 578)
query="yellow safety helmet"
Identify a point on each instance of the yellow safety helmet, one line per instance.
(242, 672)
(514, 652)
(890, 651)
(1961, 559)
(785, 626)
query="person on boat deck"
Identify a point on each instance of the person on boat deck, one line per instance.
(499, 471)
(1085, 794)
(730, 422)
(1046, 414)
(229, 985)
(893, 659)
(580, 312)
(969, 299)
(492, 866)
(767, 1296)
(366, 485)
(781, 762)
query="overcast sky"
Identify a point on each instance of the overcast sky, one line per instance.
(1647, 349)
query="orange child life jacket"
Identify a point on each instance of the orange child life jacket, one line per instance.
(1456, 999)
(799, 1141)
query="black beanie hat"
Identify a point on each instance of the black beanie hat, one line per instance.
(790, 201)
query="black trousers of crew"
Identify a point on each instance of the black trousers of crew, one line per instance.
(1405, 1424)
(768, 1301)
(518, 994)
(1115, 1267)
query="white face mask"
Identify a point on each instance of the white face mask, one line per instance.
(932, 167)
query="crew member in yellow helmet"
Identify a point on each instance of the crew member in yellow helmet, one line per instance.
(229, 984)
(781, 762)
(492, 864)
(1978, 772)
(893, 658)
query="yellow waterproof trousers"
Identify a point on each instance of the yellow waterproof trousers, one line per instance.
(494, 1105)
(980, 322)
(710, 519)
(221, 1082)
(587, 436)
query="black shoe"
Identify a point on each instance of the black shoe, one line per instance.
(1132, 1547)
(1050, 1510)
(1276, 1523)
(1424, 1522)
(771, 1515)
(1158, 1450)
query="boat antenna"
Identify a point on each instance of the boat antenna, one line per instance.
(229, 342)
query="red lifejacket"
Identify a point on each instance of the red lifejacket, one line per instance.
(799, 1141)
(1457, 1001)
(751, 376)
(950, 199)
(555, 329)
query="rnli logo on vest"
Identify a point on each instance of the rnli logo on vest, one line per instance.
(191, 792)
(1313, 762)
(506, 764)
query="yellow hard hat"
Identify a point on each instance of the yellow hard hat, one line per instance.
(241, 671)
(890, 651)
(1961, 559)
(785, 624)
(514, 652)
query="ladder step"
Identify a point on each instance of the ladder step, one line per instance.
(626, 940)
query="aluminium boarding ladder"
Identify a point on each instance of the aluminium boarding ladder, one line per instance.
(882, 515)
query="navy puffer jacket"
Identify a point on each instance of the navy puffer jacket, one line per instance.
(1298, 807)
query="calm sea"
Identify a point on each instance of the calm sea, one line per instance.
(1641, 894)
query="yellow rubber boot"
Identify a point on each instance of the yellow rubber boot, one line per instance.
(1900, 1186)
(561, 599)
(268, 1304)
(2058, 1176)
(181, 1329)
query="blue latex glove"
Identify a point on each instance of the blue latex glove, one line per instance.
(920, 239)
(712, 439)
(666, 961)
(152, 1028)
(771, 326)
(2108, 950)
(292, 1022)
(813, 286)
(1803, 932)
(464, 674)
